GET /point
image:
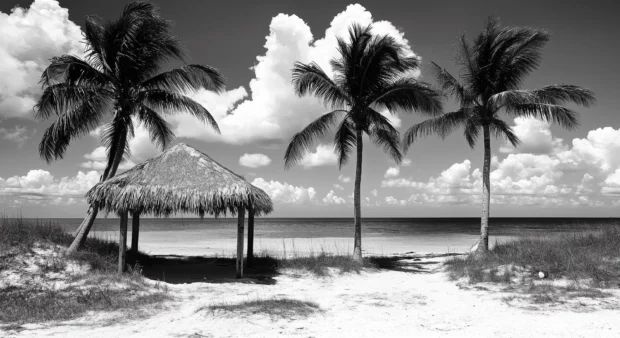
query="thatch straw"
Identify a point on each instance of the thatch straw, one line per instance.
(181, 179)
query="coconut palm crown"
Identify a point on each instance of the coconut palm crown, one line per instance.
(492, 70)
(371, 74)
(120, 75)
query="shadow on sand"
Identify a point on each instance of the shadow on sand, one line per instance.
(175, 269)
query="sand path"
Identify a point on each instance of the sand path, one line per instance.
(369, 304)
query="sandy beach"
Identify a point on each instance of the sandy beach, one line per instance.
(420, 301)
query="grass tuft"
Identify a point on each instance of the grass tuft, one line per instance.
(276, 307)
(592, 256)
(50, 290)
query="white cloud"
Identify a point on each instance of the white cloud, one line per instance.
(344, 179)
(332, 199)
(284, 192)
(535, 136)
(392, 172)
(272, 112)
(338, 186)
(18, 135)
(30, 37)
(324, 155)
(40, 185)
(406, 162)
(586, 174)
(374, 192)
(140, 146)
(254, 160)
(393, 201)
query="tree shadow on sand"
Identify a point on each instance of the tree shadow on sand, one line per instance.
(175, 269)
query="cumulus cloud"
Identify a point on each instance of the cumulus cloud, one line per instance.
(324, 155)
(284, 192)
(18, 135)
(271, 112)
(581, 175)
(332, 199)
(41, 186)
(406, 162)
(338, 186)
(392, 172)
(30, 37)
(254, 160)
(374, 192)
(344, 179)
(535, 136)
(140, 146)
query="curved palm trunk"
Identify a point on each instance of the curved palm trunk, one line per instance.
(483, 244)
(93, 210)
(357, 246)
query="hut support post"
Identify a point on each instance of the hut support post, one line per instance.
(250, 236)
(240, 221)
(135, 233)
(122, 242)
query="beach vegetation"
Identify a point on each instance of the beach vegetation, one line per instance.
(590, 258)
(120, 76)
(492, 70)
(42, 282)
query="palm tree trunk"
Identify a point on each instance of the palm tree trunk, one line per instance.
(357, 246)
(483, 244)
(93, 210)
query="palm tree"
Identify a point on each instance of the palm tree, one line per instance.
(120, 75)
(492, 70)
(370, 75)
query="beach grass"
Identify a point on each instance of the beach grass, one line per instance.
(277, 308)
(588, 257)
(43, 283)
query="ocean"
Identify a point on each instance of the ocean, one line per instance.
(289, 236)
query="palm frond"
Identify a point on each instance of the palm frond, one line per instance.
(72, 70)
(59, 98)
(311, 79)
(502, 130)
(384, 135)
(344, 141)
(471, 132)
(409, 95)
(169, 103)
(547, 112)
(441, 125)
(303, 140)
(73, 123)
(188, 78)
(450, 85)
(115, 135)
(159, 130)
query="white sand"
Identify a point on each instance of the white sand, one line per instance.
(370, 304)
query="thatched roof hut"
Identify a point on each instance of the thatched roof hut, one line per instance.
(181, 179)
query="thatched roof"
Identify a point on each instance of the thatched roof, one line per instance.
(181, 179)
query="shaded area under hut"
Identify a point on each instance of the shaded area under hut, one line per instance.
(181, 179)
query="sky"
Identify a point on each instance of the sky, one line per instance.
(553, 173)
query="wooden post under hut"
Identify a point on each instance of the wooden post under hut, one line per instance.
(250, 255)
(122, 242)
(135, 233)
(240, 239)
(181, 179)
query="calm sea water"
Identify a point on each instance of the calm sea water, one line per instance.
(303, 235)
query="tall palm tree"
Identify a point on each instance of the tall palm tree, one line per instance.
(492, 70)
(371, 74)
(120, 75)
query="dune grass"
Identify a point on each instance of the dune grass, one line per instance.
(274, 307)
(592, 257)
(49, 290)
